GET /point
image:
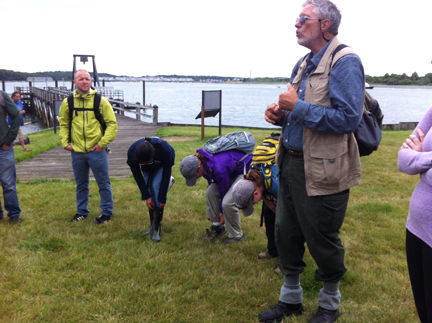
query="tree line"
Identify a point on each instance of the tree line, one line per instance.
(401, 79)
(387, 79)
(9, 75)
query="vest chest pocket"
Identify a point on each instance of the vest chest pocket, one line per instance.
(329, 164)
(318, 90)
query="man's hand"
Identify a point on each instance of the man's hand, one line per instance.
(287, 100)
(415, 143)
(150, 203)
(162, 205)
(273, 114)
(69, 148)
(22, 111)
(5, 147)
(97, 148)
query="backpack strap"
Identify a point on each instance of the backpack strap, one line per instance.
(96, 109)
(70, 101)
(241, 160)
(337, 49)
(344, 50)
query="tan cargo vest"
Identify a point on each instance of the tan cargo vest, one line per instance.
(332, 161)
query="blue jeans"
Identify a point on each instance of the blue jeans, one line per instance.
(153, 181)
(98, 163)
(8, 182)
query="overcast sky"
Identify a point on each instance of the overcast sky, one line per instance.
(198, 37)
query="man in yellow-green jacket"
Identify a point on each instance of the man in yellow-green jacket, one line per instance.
(85, 138)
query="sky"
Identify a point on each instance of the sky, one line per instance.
(239, 38)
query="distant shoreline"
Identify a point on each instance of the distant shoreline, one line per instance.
(282, 84)
(403, 86)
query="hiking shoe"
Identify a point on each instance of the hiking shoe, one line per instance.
(281, 310)
(325, 316)
(265, 255)
(78, 217)
(102, 219)
(233, 240)
(15, 219)
(215, 231)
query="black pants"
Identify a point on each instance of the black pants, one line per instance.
(315, 220)
(419, 258)
(269, 220)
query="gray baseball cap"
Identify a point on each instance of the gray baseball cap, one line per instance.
(188, 168)
(243, 192)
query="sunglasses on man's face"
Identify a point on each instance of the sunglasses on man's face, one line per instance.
(303, 19)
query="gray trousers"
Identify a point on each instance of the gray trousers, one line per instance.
(230, 212)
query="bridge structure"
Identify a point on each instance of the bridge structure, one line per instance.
(42, 102)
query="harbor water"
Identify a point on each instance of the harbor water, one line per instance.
(243, 104)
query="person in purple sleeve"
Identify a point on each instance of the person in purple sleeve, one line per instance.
(415, 158)
(222, 171)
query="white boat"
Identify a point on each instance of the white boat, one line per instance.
(368, 87)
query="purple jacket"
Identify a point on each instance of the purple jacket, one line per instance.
(412, 162)
(219, 168)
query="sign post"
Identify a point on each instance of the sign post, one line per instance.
(211, 106)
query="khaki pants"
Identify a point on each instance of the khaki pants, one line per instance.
(230, 211)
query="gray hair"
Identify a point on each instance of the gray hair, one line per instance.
(326, 9)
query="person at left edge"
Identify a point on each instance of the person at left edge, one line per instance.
(151, 160)
(87, 145)
(7, 160)
(16, 98)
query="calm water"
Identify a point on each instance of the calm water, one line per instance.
(244, 105)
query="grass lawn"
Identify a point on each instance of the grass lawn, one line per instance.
(56, 271)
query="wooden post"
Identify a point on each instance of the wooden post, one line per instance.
(143, 92)
(202, 123)
(155, 114)
(3, 85)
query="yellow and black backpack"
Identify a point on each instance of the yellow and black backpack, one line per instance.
(265, 153)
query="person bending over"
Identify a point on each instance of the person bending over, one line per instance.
(151, 160)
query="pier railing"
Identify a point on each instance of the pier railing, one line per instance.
(42, 103)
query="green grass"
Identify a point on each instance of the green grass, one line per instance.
(56, 271)
(39, 142)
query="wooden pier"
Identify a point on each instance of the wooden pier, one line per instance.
(57, 164)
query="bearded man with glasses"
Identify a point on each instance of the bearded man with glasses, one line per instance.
(318, 159)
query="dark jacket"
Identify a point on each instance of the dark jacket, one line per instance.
(8, 134)
(164, 157)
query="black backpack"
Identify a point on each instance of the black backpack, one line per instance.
(368, 133)
(95, 109)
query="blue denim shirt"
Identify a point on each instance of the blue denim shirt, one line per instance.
(346, 95)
